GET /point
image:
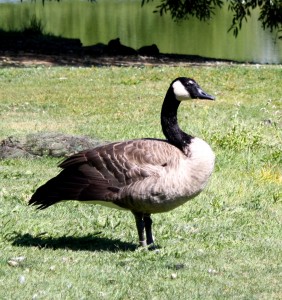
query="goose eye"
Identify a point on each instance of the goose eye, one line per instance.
(189, 84)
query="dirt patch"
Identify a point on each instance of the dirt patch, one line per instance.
(45, 144)
(25, 59)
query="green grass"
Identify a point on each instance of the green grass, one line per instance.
(225, 244)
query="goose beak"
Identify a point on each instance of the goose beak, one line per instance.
(204, 95)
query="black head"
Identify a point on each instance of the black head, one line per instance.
(187, 88)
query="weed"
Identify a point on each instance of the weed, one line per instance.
(238, 138)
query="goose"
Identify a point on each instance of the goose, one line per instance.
(145, 176)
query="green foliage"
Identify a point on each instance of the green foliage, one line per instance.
(238, 138)
(203, 10)
(224, 244)
(270, 11)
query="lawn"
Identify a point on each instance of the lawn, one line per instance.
(224, 244)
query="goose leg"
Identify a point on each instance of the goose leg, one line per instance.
(148, 228)
(140, 224)
(144, 222)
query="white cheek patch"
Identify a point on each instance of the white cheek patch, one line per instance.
(180, 92)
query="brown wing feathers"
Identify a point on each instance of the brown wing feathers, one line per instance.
(100, 173)
(84, 177)
(70, 184)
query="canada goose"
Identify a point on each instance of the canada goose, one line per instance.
(145, 175)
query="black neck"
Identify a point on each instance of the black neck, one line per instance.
(169, 122)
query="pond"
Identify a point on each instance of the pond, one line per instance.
(135, 26)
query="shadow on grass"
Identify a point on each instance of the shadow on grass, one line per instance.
(84, 243)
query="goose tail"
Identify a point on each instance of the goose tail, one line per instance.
(46, 195)
(62, 187)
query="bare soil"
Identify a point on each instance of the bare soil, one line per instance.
(25, 59)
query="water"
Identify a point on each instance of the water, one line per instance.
(135, 26)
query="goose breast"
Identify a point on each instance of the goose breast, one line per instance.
(172, 181)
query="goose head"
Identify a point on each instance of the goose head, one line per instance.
(180, 89)
(187, 88)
